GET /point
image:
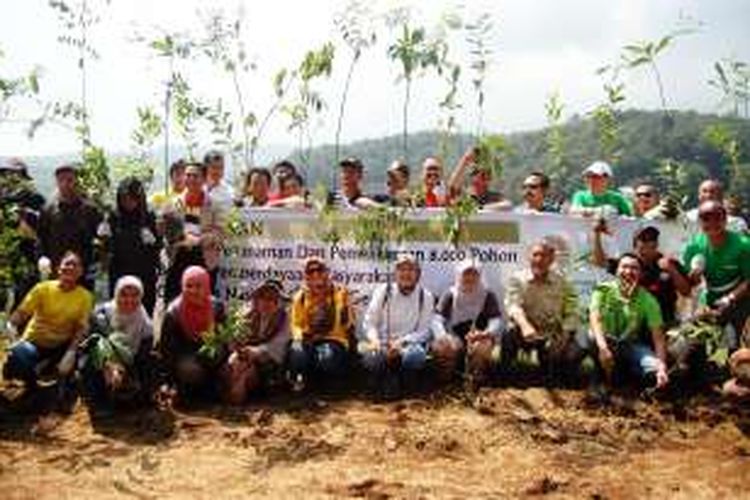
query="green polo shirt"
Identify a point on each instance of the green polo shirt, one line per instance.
(622, 318)
(727, 265)
(587, 199)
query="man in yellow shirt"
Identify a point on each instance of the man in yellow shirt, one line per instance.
(322, 322)
(56, 314)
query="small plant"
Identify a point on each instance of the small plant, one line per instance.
(188, 111)
(235, 225)
(607, 115)
(733, 81)
(727, 143)
(555, 140)
(676, 190)
(479, 35)
(224, 47)
(711, 336)
(356, 29)
(457, 214)
(93, 177)
(415, 52)
(15, 87)
(77, 18)
(316, 64)
(139, 163)
(216, 341)
(176, 48)
(379, 228)
(646, 54)
(491, 153)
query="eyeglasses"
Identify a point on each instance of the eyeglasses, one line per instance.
(645, 194)
(706, 216)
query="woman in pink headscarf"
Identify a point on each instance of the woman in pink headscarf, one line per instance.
(189, 320)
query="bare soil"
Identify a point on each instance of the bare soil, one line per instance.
(502, 442)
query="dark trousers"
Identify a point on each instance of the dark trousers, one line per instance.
(326, 359)
(25, 361)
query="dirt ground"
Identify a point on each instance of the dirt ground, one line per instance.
(503, 442)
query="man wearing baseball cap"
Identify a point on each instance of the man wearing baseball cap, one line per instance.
(591, 201)
(350, 195)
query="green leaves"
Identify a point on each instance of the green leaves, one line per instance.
(733, 81)
(555, 139)
(317, 63)
(711, 336)
(457, 214)
(377, 229)
(491, 152)
(216, 342)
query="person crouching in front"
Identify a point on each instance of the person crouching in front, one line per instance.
(397, 330)
(322, 325)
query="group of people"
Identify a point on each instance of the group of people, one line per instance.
(168, 250)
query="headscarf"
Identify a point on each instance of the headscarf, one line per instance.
(467, 306)
(131, 186)
(129, 329)
(196, 318)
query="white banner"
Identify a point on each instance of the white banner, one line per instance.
(279, 242)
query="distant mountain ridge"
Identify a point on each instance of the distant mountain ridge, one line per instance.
(644, 139)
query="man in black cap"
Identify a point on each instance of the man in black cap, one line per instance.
(661, 275)
(69, 222)
(19, 211)
(350, 195)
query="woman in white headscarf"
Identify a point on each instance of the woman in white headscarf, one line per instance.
(467, 322)
(117, 354)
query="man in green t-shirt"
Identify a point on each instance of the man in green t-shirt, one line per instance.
(598, 197)
(627, 327)
(722, 257)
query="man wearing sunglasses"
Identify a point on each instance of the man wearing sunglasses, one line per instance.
(646, 201)
(722, 257)
(535, 188)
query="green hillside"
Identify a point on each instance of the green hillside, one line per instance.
(644, 138)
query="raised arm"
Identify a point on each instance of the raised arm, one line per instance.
(457, 177)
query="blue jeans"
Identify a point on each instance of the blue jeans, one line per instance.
(24, 358)
(326, 358)
(413, 359)
(632, 358)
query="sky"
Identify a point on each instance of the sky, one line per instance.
(539, 47)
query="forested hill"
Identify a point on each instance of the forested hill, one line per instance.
(645, 141)
(646, 138)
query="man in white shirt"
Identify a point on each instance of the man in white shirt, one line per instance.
(396, 328)
(222, 197)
